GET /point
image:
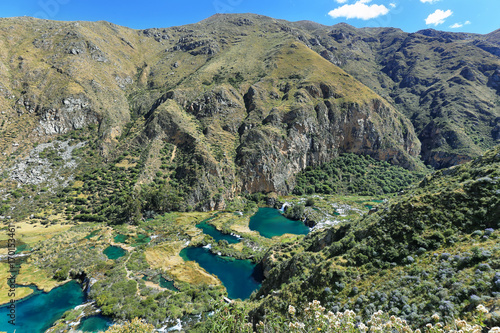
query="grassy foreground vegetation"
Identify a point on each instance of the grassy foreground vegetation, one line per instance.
(316, 318)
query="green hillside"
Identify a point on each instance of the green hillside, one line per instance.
(433, 249)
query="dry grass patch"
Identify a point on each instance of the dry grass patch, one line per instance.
(21, 292)
(238, 224)
(191, 218)
(154, 286)
(238, 246)
(243, 229)
(77, 184)
(126, 163)
(192, 273)
(167, 258)
(31, 233)
(31, 274)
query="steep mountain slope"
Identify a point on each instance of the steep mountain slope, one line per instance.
(236, 103)
(228, 105)
(446, 83)
(433, 249)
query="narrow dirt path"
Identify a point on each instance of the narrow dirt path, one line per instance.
(173, 154)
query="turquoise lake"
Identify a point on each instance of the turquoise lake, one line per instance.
(269, 222)
(38, 312)
(164, 283)
(95, 324)
(240, 277)
(216, 234)
(114, 252)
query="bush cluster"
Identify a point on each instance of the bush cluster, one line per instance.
(354, 174)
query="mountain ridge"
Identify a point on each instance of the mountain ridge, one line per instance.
(219, 92)
(256, 99)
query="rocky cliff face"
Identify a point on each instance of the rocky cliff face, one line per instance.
(445, 83)
(255, 138)
(244, 102)
(270, 155)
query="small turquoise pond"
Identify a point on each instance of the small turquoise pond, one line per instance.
(39, 311)
(141, 240)
(95, 324)
(22, 247)
(114, 252)
(120, 238)
(92, 234)
(216, 234)
(269, 222)
(240, 277)
(164, 283)
(370, 204)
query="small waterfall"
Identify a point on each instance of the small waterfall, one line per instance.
(177, 327)
(283, 207)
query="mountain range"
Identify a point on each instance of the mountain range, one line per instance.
(241, 103)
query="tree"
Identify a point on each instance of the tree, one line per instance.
(296, 212)
(135, 326)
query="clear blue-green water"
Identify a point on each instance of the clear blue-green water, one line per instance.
(38, 312)
(92, 234)
(370, 204)
(269, 222)
(216, 234)
(141, 240)
(120, 238)
(114, 252)
(95, 324)
(164, 283)
(240, 277)
(22, 247)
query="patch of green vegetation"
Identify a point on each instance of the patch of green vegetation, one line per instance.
(355, 174)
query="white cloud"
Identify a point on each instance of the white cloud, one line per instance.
(459, 25)
(359, 10)
(438, 17)
(429, 1)
(341, 1)
(392, 4)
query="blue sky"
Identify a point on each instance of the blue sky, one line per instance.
(479, 16)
